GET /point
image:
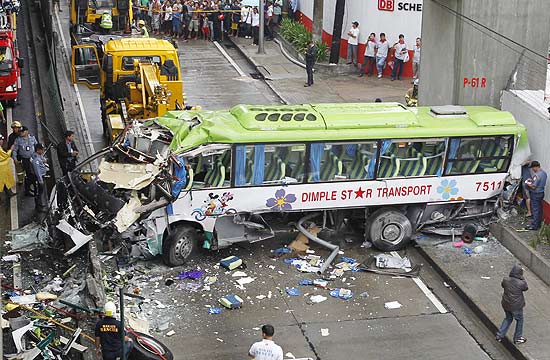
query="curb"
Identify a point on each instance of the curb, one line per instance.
(256, 67)
(527, 255)
(510, 346)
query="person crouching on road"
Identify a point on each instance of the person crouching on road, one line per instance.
(40, 168)
(23, 149)
(513, 303)
(108, 340)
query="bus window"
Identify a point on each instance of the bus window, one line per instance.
(211, 169)
(269, 164)
(337, 162)
(418, 158)
(479, 155)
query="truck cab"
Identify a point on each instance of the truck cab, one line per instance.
(10, 67)
(131, 73)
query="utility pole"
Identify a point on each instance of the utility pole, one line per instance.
(261, 49)
(337, 31)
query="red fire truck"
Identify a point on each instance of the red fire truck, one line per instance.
(10, 62)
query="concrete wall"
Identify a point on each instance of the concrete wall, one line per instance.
(529, 109)
(453, 49)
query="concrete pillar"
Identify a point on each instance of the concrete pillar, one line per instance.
(317, 19)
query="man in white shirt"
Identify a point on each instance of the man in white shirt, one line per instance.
(416, 58)
(353, 41)
(370, 56)
(382, 48)
(246, 22)
(401, 53)
(266, 349)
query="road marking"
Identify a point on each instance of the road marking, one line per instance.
(78, 98)
(429, 294)
(230, 59)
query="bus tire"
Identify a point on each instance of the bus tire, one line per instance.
(178, 247)
(389, 229)
(141, 351)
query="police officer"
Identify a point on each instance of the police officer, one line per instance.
(40, 167)
(23, 150)
(108, 338)
(536, 186)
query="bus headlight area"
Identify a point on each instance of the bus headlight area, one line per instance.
(210, 179)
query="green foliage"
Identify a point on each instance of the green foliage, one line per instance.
(543, 237)
(296, 34)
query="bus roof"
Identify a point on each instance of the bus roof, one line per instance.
(132, 44)
(333, 122)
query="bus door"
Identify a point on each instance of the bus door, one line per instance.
(85, 66)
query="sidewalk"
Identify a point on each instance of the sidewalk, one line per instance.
(287, 80)
(477, 278)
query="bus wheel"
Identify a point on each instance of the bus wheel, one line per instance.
(179, 245)
(390, 230)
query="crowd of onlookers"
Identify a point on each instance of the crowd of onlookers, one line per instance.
(377, 52)
(207, 19)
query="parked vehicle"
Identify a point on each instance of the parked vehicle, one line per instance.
(10, 61)
(214, 178)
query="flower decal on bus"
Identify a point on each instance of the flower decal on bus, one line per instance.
(281, 202)
(447, 188)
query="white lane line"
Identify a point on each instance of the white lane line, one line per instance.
(78, 98)
(230, 59)
(429, 294)
(14, 215)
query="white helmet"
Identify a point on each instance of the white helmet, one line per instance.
(110, 308)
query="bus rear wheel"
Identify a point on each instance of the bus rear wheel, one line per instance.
(389, 230)
(180, 245)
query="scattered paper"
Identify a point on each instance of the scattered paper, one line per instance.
(245, 280)
(392, 305)
(385, 261)
(170, 333)
(324, 332)
(317, 299)
(486, 277)
(239, 274)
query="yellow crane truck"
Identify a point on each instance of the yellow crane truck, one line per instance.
(138, 78)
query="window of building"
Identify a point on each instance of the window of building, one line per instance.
(479, 155)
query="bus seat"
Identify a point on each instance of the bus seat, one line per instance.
(416, 167)
(226, 159)
(389, 167)
(357, 169)
(215, 176)
(331, 167)
(297, 170)
(249, 171)
(491, 148)
(275, 170)
(467, 166)
(433, 164)
(191, 174)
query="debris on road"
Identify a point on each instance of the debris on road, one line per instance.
(231, 262)
(231, 301)
(392, 305)
(324, 332)
(317, 299)
(193, 275)
(344, 294)
(215, 310)
(292, 291)
(386, 261)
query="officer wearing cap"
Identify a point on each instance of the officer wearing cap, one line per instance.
(23, 149)
(15, 128)
(108, 336)
(536, 186)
